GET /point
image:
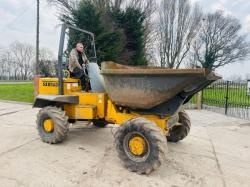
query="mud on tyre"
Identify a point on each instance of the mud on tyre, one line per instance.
(141, 145)
(52, 124)
(179, 132)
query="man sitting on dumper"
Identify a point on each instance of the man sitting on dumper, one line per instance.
(78, 66)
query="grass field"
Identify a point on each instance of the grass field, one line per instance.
(237, 97)
(213, 96)
(17, 92)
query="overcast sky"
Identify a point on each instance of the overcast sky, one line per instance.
(18, 22)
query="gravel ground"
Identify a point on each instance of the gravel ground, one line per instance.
(216, 153)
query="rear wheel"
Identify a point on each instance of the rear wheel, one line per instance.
(179, 132)
(52, 124)
(141, 145)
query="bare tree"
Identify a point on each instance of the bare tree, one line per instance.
(2, 67)
(47, 62)
(178, 24)
(23, 55)
(65, 6)
(8, 66)
(219, 41)
(149, 8)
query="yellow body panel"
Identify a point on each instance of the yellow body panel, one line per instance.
(93, 105)
(98, 100)
(50, 85)
(80, 111)
(117, 117)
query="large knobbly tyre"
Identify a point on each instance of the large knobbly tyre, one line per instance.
(141, 145)
(52, 124)
(179, 132)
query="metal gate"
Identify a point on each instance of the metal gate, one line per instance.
(230, 98)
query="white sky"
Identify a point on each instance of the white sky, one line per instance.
(18, 22)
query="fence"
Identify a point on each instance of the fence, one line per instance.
(227, 97)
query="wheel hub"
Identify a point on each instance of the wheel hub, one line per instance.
(137, 145)
(48, 125)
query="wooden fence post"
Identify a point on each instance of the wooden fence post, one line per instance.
(199, 100)
(36, 85)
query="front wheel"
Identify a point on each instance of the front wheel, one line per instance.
(141, 145)
(52, 124)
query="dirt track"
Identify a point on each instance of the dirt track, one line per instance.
(216, 153)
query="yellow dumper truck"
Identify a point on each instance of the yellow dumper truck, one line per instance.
(146, 103)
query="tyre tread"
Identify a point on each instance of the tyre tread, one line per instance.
(183, 130)
(61, 124)
(156, 134)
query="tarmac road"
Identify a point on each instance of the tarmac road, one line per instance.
(216, 153)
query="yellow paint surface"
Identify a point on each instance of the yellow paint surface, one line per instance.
(137, 145)
(48, 125)
(93, 105)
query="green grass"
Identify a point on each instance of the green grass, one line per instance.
(17, 92)
(215, 94)
(237, 96)
(17, 81)
(212, 96)
(193, 99)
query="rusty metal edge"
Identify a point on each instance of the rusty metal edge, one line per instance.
(201, 72)
(110, 67)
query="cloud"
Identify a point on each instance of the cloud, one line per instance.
(194, 1)
(18, 22)
(5, 17)
(239, 2)
(221, 7)
(246, 24)
(224, 1)
(49, 30)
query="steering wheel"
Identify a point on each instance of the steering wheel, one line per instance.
(66, 74)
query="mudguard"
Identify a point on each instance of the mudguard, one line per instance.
(46, 100)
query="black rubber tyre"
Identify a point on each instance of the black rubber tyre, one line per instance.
(179, 132)
(156, 145)
(61, 124)
(99, 123)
